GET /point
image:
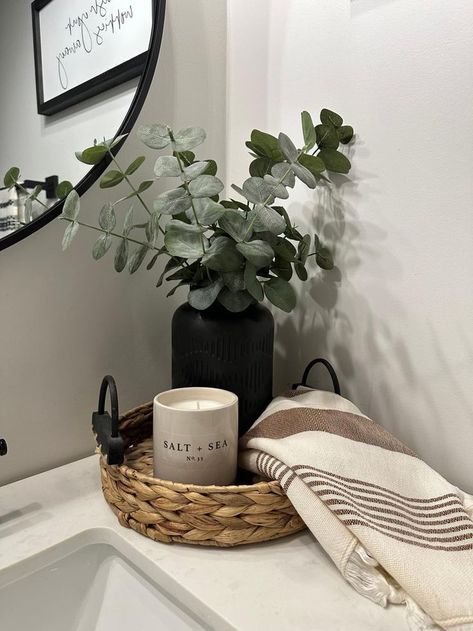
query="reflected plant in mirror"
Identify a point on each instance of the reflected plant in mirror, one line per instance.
(234, 251)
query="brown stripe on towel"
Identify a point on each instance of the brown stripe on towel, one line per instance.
(385, 514)
(352, 426)
(449, 511)
(398, 522)
(453, 548)
(426, 503)
(420, 510)
(298, 467)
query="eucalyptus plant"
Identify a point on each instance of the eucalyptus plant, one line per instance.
(236, 251)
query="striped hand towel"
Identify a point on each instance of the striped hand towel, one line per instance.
(397, 530)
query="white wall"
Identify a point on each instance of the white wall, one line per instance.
(65, 321)
(396, 315)
(36, 143)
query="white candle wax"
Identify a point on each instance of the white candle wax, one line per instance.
(195, 404)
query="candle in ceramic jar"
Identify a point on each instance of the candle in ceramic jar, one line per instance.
(195, 434)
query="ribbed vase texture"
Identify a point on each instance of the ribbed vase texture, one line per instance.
(220, 349)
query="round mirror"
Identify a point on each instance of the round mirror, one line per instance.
(72, 72)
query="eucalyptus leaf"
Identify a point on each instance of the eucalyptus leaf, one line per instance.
(282, 171)
(235, 281)
(144, 186)
(167, 166)
(265, 145)
(282, 268)
(260, 167)
(101, 246)
(11, 177)
(203, 297)
(170, 264)
(236, 302)
(222, 256)
(300, 270)
(324, 258)
(304, 175)
(71, 206)
(183, 240)
(256, 191)
(211, 168)
(327, 137)
(285, 250)
(111, 178)
(258, 252)
(151, 228)
(345, 134)
(236, 225)
(172, 202)
(63, 189)
(135, 165)
(107, 218)
(189, 138)
(253, 286)
(137, 258)
(288, 148)
(308, 129)
(328, 117)
(313, 163)
(335, 161)
(187, 157)
(276, 187)
(69, 233)
(153, 260)
(208, 212)
(128, 223)
(304, 248)
(121, 255)
(92, 155)
(205, 186)
(281, 294)
(194, 170)
(265, 218)
(154, 136)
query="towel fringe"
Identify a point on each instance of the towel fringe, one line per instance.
(361, 571)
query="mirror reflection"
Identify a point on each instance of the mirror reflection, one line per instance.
(101, 47)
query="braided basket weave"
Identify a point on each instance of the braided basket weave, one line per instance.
(170, 512)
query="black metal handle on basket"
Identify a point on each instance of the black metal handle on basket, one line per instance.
(105, 426)
(328, 366)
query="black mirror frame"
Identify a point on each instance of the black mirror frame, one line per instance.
(159, 7)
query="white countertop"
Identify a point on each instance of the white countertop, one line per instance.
(288, 584)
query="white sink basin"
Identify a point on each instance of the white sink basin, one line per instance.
(87, 585)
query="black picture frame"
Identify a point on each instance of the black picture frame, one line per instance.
(159, 9)
(100, 83)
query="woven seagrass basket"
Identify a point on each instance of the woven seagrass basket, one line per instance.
(170, 512)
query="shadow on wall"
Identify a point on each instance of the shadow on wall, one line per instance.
(336, 319)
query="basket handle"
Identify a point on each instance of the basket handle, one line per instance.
(328, 366)
(105, 426)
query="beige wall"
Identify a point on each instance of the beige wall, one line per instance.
(65, 321)
(396, 315)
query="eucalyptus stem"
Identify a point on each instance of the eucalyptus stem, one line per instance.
(130, 183)
(135, 191)
(113, 234)
(186, 188)
(24, 190)
(267, 200)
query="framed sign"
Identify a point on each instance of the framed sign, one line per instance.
(83, 47)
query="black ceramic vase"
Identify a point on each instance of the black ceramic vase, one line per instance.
(220, 349)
